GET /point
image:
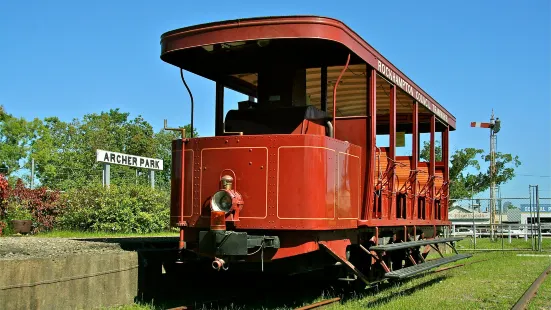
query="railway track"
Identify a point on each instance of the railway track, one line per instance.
(319, 304)
(337, 299)
(532, 291)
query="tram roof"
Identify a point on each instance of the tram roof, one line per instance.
(324, 40)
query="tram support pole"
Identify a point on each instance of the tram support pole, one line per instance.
(415, 158)
(392, 154)
(432, 170)
(372, 142)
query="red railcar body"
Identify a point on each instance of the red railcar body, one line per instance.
(300, 171)
(318, 176)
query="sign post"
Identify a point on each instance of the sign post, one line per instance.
(108, 158)
(106, 175)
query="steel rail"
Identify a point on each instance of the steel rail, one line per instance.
(532, 291)
(307, 307)
(319, 304)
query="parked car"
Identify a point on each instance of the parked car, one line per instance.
(463, 231)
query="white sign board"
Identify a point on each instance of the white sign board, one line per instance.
(128, 160)
(457, 216)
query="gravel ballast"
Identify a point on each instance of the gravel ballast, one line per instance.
(33, 247)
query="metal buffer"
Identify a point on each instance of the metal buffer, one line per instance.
(494, 126)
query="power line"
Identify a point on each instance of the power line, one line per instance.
(533, 175)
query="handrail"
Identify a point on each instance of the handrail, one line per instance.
(412, 174)
(377, 154)
(181, 223)
(440, 192)
(335, 94)
(390, 170)
(424, 190)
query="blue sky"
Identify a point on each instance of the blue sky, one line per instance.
(69, 58)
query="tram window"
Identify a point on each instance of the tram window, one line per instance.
(383, 140)
(438, 146)
(351, 92)
(404, 123)
(313, 87)
(424, 147)
(231, 99)
(403, 144)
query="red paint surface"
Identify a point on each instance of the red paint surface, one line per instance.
(370, 147)
(348, 186)
(284, 27)
(354, 131)
(338, 247)
(250, 166)
(296, 173)
(295, 249)
(289, 182)
(313, 173)
(176, 180)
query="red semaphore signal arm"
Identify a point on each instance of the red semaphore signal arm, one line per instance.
(481, 125)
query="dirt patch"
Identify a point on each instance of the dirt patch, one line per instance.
(32, 247)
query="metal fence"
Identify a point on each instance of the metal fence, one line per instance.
(518, 224)
(63, 178)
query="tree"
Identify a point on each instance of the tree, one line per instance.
(464, 184)
(65, 152)
(507, 205)
(15, 137)
(425, 152)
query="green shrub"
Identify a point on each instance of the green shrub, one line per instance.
(121, 209)
(18, 210)
(3, 228)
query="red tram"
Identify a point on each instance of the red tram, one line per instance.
(298, 176)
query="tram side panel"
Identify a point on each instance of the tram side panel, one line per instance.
(288, 182)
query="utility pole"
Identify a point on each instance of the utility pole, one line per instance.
(531, 219)
(535, 219)
(494, 125)
(32, 173)
(474, 224)
(539, 219)
(500, 216)
(492, 175)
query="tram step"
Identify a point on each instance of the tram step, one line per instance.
(411, 244)
(416, 269)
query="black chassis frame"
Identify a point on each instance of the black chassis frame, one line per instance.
(233, 243)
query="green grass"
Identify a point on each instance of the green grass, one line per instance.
(83, 234)
(516, 243)
(137, 306)
(494, 284)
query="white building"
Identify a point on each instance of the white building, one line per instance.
(459, 215)
(463, 218)
(528, 214)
